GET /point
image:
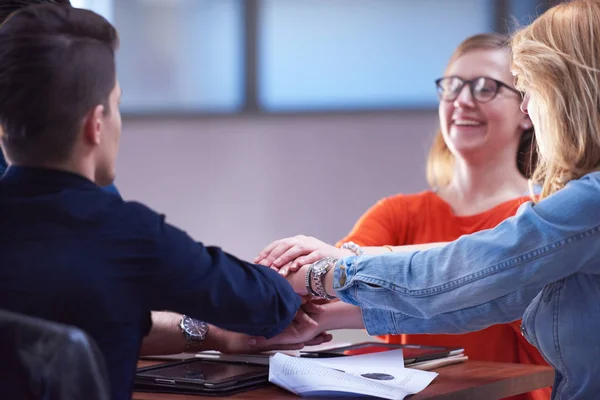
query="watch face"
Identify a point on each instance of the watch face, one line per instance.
(194, 327)
(321, 265)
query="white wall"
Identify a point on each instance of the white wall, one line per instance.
(242, 182)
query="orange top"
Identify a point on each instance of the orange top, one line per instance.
(425, 218)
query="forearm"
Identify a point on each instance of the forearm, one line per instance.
(373, 250)
(211, 285)
(541, 244)
(502, 310)
(166, 337)
(339, 315)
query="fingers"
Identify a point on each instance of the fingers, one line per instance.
(294, 330)
(320, 339)
(281, 252)
(303, 318)
(283, 246)
(285, 269)
(291, 253)
(275, 249)
(266, 251)
(310, 307)
(315, 341)
(304, 260)
(320, 301)
(327, 337)
(293, 346)
(270, 347)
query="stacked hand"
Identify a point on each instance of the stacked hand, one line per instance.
(305, 330)
(290, 254)
(291, 257)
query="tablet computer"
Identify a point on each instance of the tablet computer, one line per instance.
(411, 353)
(198, 376)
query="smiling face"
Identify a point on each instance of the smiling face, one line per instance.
(472, 128)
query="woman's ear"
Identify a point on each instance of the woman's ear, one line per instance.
(526, 123)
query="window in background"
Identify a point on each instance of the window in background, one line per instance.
(180, 56)
(523, 12)
(102, 7)
(357, 54)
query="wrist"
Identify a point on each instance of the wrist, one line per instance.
(216, 339)
(219, 339)
(353, 248)
(328, 282)
(194, 332)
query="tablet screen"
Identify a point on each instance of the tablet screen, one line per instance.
(205, 372)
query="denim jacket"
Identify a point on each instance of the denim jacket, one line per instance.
(543, 265)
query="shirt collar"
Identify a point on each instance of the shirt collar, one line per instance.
(45, 176)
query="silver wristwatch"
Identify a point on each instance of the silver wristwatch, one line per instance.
(195, 332)
(314, 277)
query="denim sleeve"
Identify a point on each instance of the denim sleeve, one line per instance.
(543, 243)
(502, 310)
(214, 286)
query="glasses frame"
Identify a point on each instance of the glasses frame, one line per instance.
(471, 83)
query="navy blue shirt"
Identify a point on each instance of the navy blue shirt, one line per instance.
(3, 165)
(73, 253)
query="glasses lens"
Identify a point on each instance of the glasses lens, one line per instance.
(484, 89)
(449, 88)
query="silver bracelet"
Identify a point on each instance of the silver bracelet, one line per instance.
(308, 280)
(353, 247)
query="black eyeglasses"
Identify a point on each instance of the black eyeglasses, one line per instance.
(483, 89)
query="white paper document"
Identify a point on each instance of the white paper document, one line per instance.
(379, 374)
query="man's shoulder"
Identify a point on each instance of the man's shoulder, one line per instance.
(139, 216)
(126, 218)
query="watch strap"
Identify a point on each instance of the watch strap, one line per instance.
(318, 272)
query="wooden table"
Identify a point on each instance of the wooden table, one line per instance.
(470, 380)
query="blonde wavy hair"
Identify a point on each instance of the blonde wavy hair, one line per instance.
(440, 160)
(557, 59)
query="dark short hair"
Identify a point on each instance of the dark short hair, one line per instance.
(56, 64)
(8, 7)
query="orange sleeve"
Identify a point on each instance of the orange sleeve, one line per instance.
(383, 224)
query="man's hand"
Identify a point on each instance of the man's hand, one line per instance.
(238, 343)
(335, 315)
(166, 336)
(308, 334)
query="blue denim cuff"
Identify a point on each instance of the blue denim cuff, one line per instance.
(343, 273)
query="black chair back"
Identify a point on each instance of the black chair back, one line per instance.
(43, 360)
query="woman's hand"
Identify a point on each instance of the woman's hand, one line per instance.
(289, 254)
